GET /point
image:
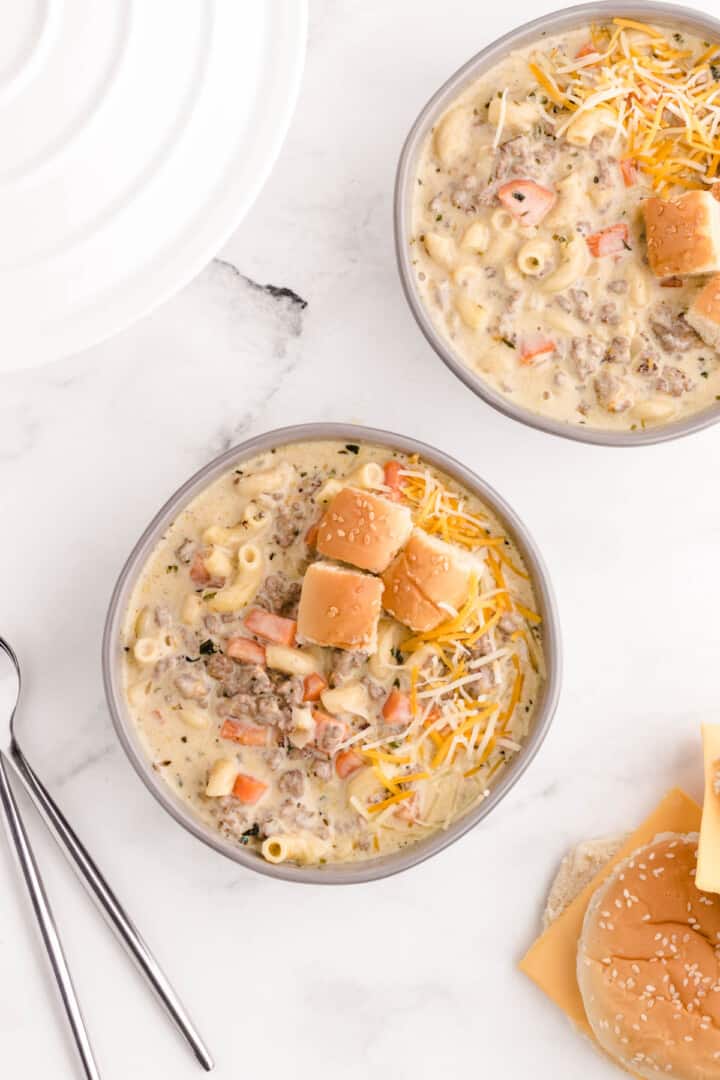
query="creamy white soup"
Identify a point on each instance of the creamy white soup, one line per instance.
(323, 754)
(528, 240)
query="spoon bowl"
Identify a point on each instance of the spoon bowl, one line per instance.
(10, 690)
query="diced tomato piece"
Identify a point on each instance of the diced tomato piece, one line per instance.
(322, 720)
(671, 283)
(249, 652)
(311, 535)
(198, 573)
(313, 686)
(347, 762)
(526, 200)
(629, 171)
(535, 348)
(271, 627)
(396, 710)
(245, 734)
(609, 241)
(393, 481)
(248, 789)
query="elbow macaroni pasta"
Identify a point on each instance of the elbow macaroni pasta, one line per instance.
(571, 268)
(535, 257)
(272, 480)
(351, 698)
(300, 848)
(246, 583)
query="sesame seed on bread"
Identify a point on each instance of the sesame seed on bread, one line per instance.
(648, 964)
(683, 234)
(427, 581)
(363, 529)
(339, 608)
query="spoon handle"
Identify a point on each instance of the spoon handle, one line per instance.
(102, 893)
(46, 922)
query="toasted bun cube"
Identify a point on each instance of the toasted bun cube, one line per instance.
(363, 529)
(683, 234)
(339, 608)
(427, 581)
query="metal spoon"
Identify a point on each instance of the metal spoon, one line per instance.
(40, 903)
(11, 753)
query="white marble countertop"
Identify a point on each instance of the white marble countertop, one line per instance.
(416, 974)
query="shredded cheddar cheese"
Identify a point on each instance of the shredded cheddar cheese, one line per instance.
(375, 808)
(465, 679)
(663, 101)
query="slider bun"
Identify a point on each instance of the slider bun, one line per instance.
(577, 869)
(339, 608)
(363, 529)
(647, 967)
(704, 315)
(427, 573)
(683, 234)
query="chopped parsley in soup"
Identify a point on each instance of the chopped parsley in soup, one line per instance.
(332, 652)
(538, 197)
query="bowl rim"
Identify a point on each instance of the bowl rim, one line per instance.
(383, 866)
(553, 22)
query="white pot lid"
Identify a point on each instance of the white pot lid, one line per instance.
(134, 136)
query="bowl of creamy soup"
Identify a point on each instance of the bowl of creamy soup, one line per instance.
(332, 652)
(557, 225)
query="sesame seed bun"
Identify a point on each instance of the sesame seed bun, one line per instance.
(339, 608)
(683, 234)
(363, 529)
(648, 965)
(427, 574)
(704, 314)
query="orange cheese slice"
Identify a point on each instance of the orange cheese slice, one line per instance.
(551, 961)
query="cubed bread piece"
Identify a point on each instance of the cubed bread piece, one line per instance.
(704, 314)
(683, 234)
(363, 529)
(427, 581)
(339, 608)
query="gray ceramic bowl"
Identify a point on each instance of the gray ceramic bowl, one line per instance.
(112, 655)
(553, 23)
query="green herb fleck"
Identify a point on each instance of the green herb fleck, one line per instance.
(352, 447)
(207, 648)
(506, 341)
(172, 568)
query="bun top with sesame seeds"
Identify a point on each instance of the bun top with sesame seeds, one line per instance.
(428, 582)
(683, 234)
(649, 964)
(363, 529)
(339, 608)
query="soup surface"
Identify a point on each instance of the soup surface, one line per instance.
(318, 754)
(527, 233)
